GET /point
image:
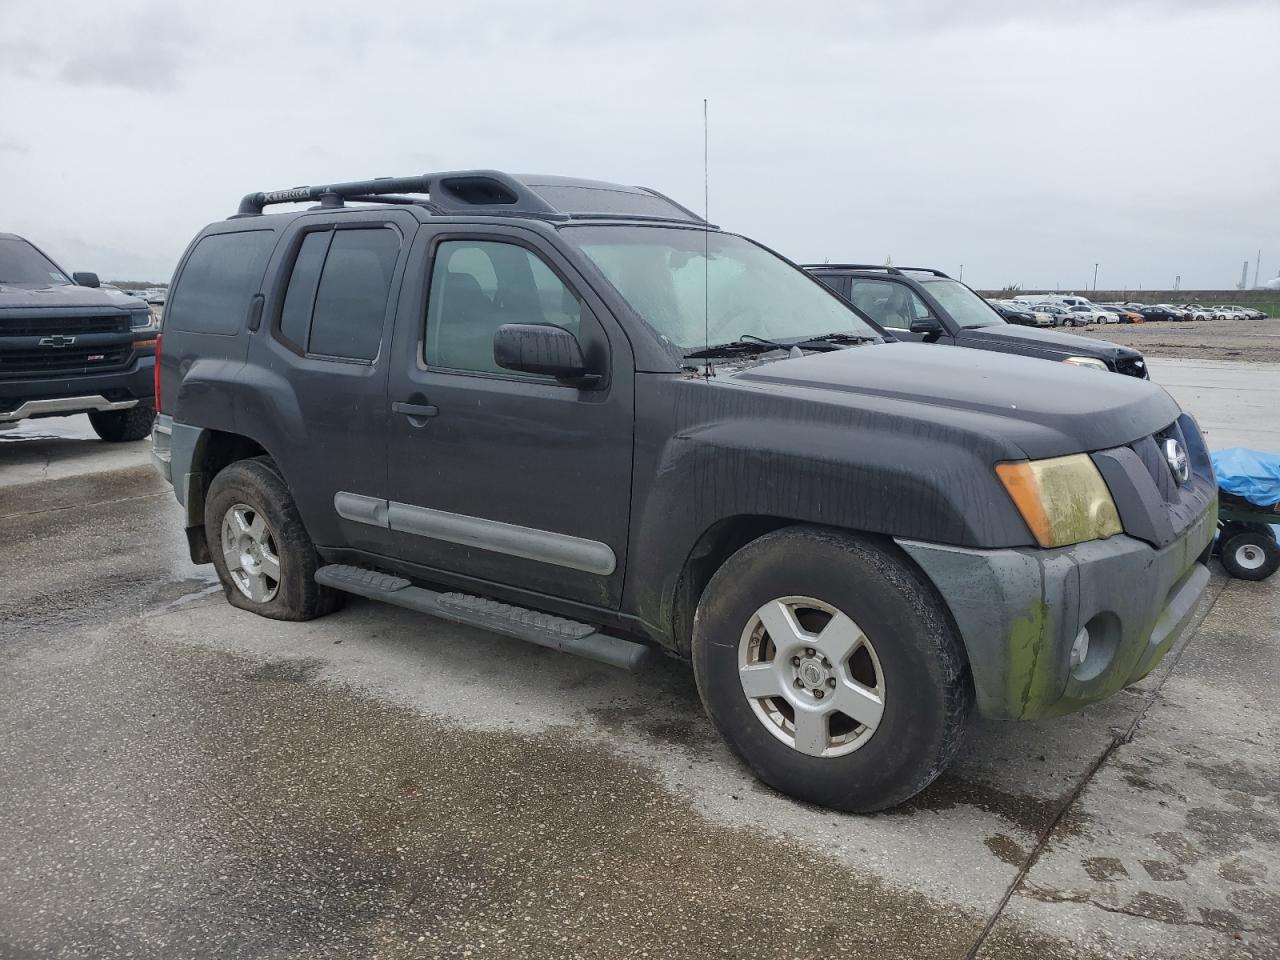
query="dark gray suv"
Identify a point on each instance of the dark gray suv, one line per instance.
(575, 413)
(927, 306)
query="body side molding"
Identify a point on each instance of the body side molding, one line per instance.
(544, 546)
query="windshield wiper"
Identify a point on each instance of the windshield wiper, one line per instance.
(745, 344)
(837, 338)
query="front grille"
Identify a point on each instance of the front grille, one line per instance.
(47, 326)
(54, 360)
(1132, 367)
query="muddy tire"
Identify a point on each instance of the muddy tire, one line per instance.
(120, 426)
(830, 667)
(263, 555)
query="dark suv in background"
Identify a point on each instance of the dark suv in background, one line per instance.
(68, 346)
(922, 304)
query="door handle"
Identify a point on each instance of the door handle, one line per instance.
(415, 410)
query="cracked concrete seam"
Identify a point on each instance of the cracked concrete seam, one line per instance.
(1166, 669)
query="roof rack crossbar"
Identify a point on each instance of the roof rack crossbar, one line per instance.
(885, 268)
(456, 191)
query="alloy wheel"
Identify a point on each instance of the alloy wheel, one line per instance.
(811, 676)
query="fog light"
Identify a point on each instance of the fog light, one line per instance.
(1080, 649)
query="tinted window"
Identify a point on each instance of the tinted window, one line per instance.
(351, 300)
(476, 287)
(295, 318)
(890, 304)
(20, 262)
(223, 271)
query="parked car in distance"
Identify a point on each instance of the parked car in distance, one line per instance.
(1084, 314)
(69, 346)
(1021, 314)
(508, 406)
(922, 304)
(1161, 311)
(1123, 313)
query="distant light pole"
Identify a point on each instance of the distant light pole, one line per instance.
(1095, 278)
(962, 273)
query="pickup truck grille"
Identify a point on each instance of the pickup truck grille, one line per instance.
(58, 360)
(48, 326)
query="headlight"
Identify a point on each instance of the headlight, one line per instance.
(141, 319)
(1092, 363)
(1063, 500)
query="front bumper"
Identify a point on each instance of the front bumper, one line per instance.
(1019, 611)
(135, 382)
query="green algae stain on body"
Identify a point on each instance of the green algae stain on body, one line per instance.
(1027, 686)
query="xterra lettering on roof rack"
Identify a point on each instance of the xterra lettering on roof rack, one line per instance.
(488, 193)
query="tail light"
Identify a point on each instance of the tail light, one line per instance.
(159, 338)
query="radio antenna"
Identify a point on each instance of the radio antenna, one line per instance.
(706, 244)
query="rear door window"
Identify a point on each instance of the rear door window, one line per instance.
(336, 301)
(221, 274)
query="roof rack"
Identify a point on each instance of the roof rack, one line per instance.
(898, 271)
(487, 192)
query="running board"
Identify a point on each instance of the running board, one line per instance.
(567, 636)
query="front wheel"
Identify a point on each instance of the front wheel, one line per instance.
(119, 426)
(830, 667)
(262, 552)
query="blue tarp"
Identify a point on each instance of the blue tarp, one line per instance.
(1251, 474)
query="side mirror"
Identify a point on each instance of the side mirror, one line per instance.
(929, 326)
(85, 279)
(541, 349)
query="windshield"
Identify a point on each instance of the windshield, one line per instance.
(691, 300)
(966, 308)
(20, 262)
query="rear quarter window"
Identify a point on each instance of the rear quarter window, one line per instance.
(221, 274)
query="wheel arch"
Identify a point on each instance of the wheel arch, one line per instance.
(212, 452)
(725, 537)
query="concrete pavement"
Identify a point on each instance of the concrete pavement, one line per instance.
(183, 779)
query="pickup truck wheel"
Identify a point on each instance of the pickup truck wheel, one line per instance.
(263, 555)
(830, 667)
(116, 426)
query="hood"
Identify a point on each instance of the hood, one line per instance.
(59, 295)
(1044, 409)
(1049, 342)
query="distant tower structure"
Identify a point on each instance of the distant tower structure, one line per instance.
(1244, 276)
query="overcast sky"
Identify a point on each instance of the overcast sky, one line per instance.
(1024, 140)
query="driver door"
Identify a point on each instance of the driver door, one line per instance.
(499, 476)
(893, 305)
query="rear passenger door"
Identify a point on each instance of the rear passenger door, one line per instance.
(319, 364)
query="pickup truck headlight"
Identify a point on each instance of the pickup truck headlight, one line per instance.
(1091, 363)
(1063, 500)
(141, 320)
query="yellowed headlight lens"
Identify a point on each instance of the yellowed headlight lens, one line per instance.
(1063, 500)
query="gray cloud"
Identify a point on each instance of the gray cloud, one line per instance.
(1025, 140)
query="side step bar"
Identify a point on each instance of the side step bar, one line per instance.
(568, 636)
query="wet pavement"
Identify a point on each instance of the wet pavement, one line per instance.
(184, 779)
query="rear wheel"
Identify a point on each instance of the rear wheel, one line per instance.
(262, 552)
(116, 426)
(830, 667)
